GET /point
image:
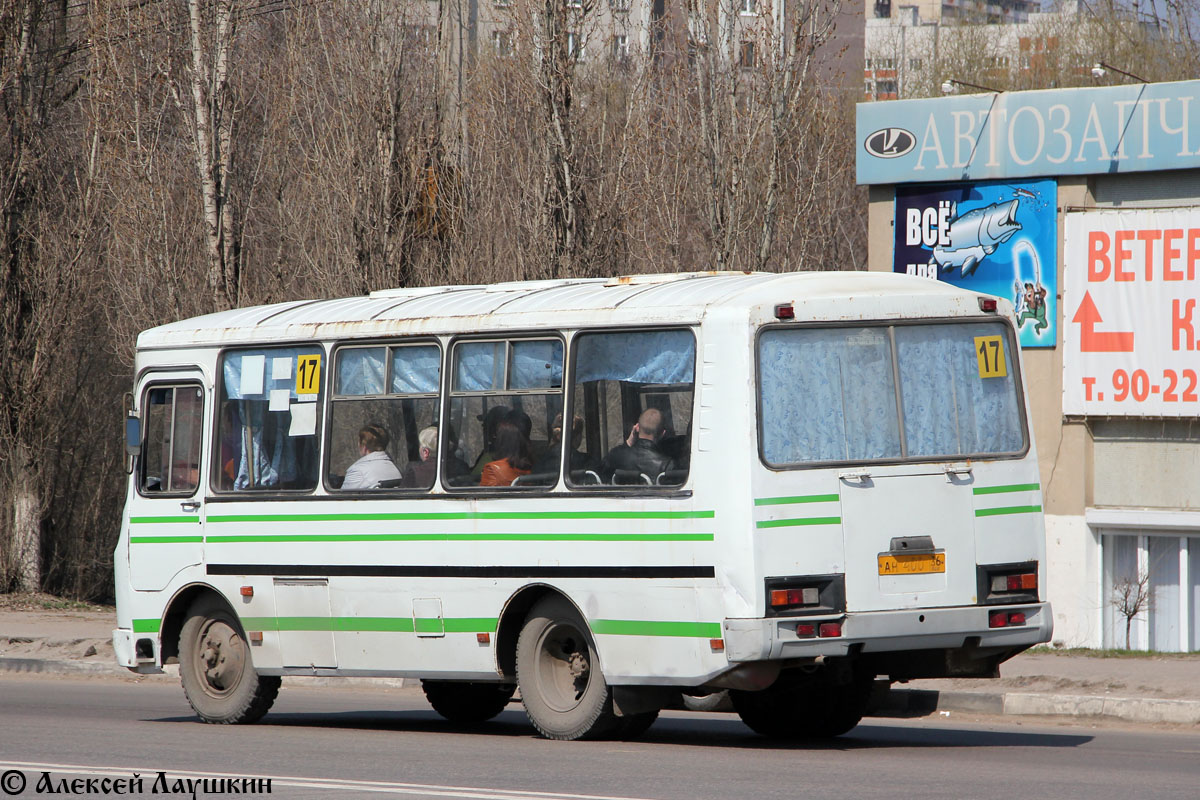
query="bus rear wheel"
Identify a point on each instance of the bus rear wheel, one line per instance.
(215, 668)
(466, 703)
(800, 706)
(563, 692)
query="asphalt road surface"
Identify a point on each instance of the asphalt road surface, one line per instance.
(322, 742)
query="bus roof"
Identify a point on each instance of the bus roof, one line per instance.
(675, 298)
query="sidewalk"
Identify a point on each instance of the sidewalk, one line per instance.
(1152, 689)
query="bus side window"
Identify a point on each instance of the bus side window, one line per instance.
(634, 391)
(383, 417)
(269, 415)
(170, 459)
(505, 399)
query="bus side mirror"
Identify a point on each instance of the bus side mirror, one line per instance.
(133, 436)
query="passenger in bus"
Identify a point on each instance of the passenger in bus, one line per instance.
(576, 460)
(491, 420)
(640, 453)
(514, 460)
(374, 465)
(420, 474)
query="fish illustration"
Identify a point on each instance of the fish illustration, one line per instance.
(976, 235)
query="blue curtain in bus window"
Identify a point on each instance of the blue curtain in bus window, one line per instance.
(643, 357)
(827, 395)
(479, 367)
(416, 369)
(536, 365)
(361, 370)
(949, 408)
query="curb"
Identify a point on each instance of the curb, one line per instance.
(53, 667)
(922, 702)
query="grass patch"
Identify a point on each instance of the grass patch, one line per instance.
(1111, 652)
(38, 601)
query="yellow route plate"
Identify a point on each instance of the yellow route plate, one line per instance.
(912, 564)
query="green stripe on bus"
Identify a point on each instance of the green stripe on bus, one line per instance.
(463, 537)
(165, 539)
(995, 512)
(462, 515)
(1014, 487)
(804, 498)
(792, 523)
(161, 520)
(637, 627)
(372, 624)
(146, 625)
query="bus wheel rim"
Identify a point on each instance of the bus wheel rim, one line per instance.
(563, 667)
(221, 658)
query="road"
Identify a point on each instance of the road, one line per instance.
(324, 742)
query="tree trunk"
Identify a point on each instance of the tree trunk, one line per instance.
(27, 527)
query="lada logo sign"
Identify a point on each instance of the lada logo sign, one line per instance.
(889, 143)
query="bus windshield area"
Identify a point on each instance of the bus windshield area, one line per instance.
(930, 391)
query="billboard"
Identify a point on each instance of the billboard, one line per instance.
(1075, 131)
(1131, 344)
(997, 238)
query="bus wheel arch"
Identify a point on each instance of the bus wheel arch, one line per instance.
(176, 615)
(512, 619)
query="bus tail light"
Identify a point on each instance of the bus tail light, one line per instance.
(1008, 584)
(1006, 619)
(785, 311)
(806, 629)
(987, 304)
(805, 595)
(829, 630)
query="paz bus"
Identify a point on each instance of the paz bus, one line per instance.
(842, 490)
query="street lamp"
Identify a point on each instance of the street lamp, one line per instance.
(1099, 69)
(950, 86)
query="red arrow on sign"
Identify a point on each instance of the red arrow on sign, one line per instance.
(1093, 341)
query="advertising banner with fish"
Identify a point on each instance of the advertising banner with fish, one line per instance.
(998, 237)
(1131, 338)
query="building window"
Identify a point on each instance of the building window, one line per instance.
(575, 46)
(619, 5)
(750, 7)
(746, 55)
(620, 47)
(1151, 591)
(914, 63)
(502, 43)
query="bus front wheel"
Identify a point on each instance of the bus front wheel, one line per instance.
(563, 692)
(215, 669)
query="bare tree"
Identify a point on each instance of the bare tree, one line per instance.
(1131, 597)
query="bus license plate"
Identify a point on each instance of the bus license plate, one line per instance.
(912, 563)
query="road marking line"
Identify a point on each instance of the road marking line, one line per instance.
(345, 784)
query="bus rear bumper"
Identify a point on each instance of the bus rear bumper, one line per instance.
(862, 633)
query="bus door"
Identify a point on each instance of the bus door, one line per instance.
(166, 518)
(909, 536)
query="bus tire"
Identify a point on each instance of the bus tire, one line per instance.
(563, 692)
(216, 670)
(466, 703)
(803, 708)
(633, 726)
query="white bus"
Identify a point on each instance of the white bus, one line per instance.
(606, 494)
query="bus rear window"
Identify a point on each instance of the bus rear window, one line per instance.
(888, 393)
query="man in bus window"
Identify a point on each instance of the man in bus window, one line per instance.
(640, 453)
(374, 465)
